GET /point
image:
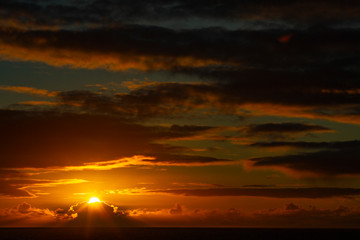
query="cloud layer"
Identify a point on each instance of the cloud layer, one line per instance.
(84, 214)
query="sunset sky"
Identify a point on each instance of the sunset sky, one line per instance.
(180, 113)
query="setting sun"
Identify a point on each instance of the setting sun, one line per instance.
(94, 200)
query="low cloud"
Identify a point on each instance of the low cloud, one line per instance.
(103, 214)
(291, 215)
(26, 215)
(100, 214)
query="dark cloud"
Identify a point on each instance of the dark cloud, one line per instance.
(44, 139)
(35, 15)
(291, 215)
(305, 87)
(313, 99)
(281, 130)
(284, 127)
(176, 210)
(185, 159)
(324, 163)
(266, 192)
(309, 145)
(315, 72)
(16, 184)
(152, 48)
(10, 189)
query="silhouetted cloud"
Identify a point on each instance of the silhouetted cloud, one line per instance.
(8, 188)
(169, 99)
(341, 161)
(291, 215)
(309, 145)
(16, 184)
(281, 130)
(54, 139)
(103, 214)
(284, 127)
(258, 14)
(26, 215)
(99, 214)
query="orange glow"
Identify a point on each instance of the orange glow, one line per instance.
(285, 39)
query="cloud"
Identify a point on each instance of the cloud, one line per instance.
(100, 214)
(312, 193)
(291, 215)
(282, 130)
(120, 49)
(289, 99)
(313, 92)
(309, 145)
(20, 185)
(137, 160)
(55, 139)
(284, 127)
(156, 48)
(26, 215)
(178, 209)
(322, 163)
(28, 90)
(312, 76)
(80, 215)
(10, 191)
(56, 15)
(103, 214)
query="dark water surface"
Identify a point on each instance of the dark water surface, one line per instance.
(175, 233)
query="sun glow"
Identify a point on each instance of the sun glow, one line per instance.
(94, 200)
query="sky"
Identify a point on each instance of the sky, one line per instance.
(174, 113)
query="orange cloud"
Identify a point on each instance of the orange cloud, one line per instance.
(63, 57)
(29, 90)
(137, 160)
(38, 103)
(26, 215)
(107, 165)
(29, 188)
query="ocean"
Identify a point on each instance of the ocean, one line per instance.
(175, 233)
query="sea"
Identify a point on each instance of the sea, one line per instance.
(176, 233)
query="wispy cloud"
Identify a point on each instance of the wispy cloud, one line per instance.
(29, 90)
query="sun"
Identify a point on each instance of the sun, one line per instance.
(94, 200)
